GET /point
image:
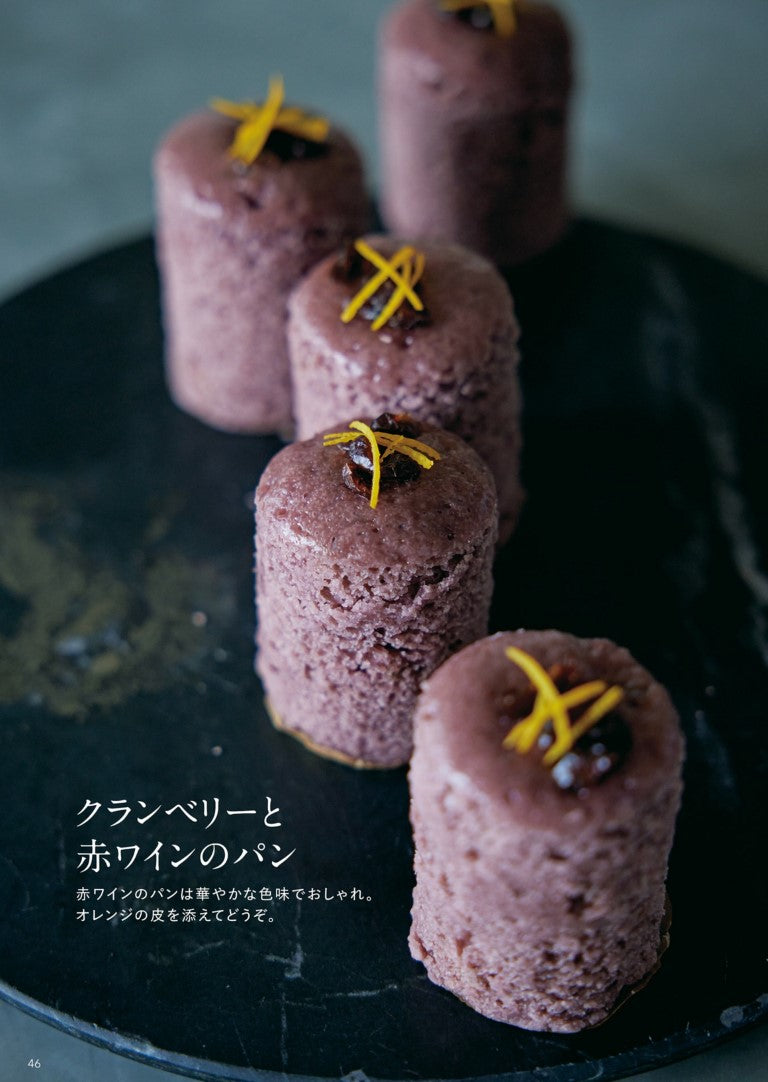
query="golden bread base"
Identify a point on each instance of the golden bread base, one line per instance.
(320, 749)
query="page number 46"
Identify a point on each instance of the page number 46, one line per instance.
(33, 1063)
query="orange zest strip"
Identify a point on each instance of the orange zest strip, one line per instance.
(258, 121)
(238, 110)
(295, 121)
(253, 133)
(367, 431)
(412, 263)
(394, 446)
(372, 285)
(502, 12)
(553, 705)
(524, 734)
(597, 710)
(421, 453)
(411, 274)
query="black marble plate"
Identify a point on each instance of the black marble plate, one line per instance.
(128, 697)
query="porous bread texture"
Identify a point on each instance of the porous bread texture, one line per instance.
(473, 129)
(232, 243)
(357, 605)
(538, 907)
(459, 372)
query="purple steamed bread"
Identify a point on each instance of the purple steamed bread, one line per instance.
(473, 129)
(538, 907)
(459, 372)
(232, 243)
(355, 604)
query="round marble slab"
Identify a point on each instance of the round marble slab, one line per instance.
(139, 774)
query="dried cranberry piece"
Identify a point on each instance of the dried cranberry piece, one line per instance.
(396, 468)
(595, 755)
(397, 424)
(350, 267)
(478, 16)
(290, 148)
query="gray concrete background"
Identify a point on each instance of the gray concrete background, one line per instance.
(670, 129)
(670, 134)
